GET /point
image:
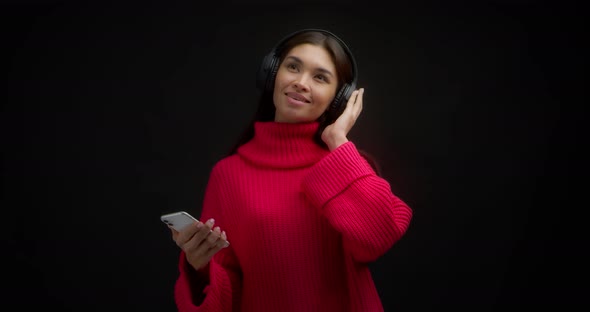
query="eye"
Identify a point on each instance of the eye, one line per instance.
(291, 66)
(322, 78)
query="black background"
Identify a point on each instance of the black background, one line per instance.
(113, 114)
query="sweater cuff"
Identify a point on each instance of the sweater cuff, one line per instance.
(334, 173)
(207, 288)
(190, 285)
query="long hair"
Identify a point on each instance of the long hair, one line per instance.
(344, 70)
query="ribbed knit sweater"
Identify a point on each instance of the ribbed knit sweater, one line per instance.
(303, 223)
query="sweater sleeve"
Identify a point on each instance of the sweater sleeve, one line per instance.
(358, 203)
(217, 286)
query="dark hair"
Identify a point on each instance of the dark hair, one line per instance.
(344, 70)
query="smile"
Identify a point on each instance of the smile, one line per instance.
(296, 102)
(297, 97)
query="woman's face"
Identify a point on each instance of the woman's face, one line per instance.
(305, 84)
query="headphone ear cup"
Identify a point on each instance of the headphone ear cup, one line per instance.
(272, 75)
(342, 95)
(267, 72)
(263, 72)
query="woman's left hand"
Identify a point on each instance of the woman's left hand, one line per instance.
(335, 134)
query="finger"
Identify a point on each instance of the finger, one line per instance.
(359, 102)
(214, 236)
(224, 239)
(351, 100)
(195, 240)
(209, 242)
(221, 243)
(186, 233)
(204, 229)
(211, 252)
(174, 233)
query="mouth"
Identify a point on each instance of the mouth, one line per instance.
(297, 97)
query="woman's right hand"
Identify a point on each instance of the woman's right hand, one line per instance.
(200, 241)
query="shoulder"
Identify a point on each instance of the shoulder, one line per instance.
(225, 164)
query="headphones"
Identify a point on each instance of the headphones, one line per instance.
(270, 65)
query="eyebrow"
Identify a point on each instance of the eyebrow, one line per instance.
(320, 69)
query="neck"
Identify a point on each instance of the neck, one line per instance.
(283, 145)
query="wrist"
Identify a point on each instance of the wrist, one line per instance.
(334, 143)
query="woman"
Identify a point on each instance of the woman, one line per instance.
(304, 211)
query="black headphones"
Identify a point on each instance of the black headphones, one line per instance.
(270, 65)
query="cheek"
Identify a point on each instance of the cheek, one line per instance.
(277, 87)
(327, 98)
(280, 78)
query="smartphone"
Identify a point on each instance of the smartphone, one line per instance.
(178, 220)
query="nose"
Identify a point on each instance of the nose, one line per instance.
(302, 83)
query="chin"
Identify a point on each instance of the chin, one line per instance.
(290, 115)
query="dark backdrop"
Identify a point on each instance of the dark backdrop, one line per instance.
(114, 114)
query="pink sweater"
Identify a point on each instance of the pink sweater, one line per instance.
(303, 223)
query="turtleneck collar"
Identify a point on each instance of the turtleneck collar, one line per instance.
(283, 145)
